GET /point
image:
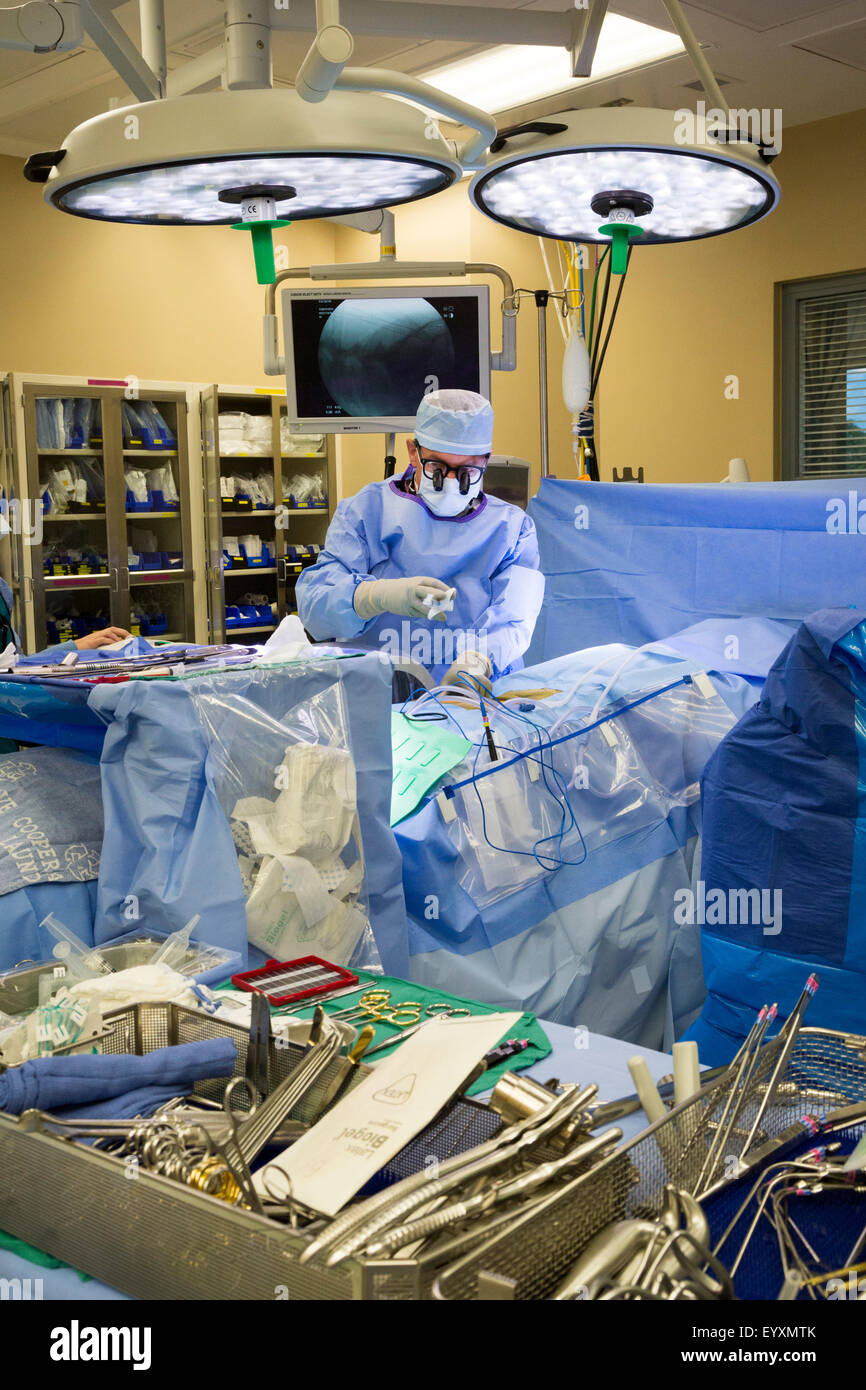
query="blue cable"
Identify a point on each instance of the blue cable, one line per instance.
(584, 729)
(560, 796)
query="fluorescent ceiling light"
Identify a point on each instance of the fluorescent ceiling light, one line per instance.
(513, 75)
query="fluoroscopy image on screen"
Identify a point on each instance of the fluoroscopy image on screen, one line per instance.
(376, 356)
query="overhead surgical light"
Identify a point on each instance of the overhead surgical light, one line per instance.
(621, 172)
(167, 162)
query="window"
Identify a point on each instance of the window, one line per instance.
(824, 377)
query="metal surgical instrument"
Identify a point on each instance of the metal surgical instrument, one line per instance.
(789, 1034)
(436, 1010)
(364, 1211)
(502, 1191)
(407, 1196)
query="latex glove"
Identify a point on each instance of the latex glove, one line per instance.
(404, 597)
(103, 638)
(474, 664)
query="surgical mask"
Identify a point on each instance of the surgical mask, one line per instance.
(450, 501)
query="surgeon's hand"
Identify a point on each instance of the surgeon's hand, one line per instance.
(475, 665)
(405, 597)
(103, 638)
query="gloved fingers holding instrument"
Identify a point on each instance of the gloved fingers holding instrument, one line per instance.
(473, 664)
(408, 598)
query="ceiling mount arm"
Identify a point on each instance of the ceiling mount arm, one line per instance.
(471, 151)
(113, 41)
(584, 39)
(324, 69)
(696, 53)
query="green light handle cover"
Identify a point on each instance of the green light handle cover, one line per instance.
(263, 246)
(621, 234)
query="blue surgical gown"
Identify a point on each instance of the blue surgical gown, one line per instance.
(490, 556)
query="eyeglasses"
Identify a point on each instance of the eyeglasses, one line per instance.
(437, 471)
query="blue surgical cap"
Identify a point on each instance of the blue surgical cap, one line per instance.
(455, 422)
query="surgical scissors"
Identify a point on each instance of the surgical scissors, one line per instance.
(376, 1005)
(435, 1011)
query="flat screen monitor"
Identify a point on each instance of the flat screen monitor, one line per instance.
(358, 361)
(508, 478)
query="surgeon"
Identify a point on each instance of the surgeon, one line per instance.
(395, 552)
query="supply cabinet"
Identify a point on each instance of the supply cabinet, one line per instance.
(10, 512)
(109, 478)
(269, 498)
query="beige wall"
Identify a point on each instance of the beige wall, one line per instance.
(85, 298)
(95, 299)
(694, 314)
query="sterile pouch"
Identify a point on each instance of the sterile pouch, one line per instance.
(50, 432)
(60, 485)
(615, 776)
(252, 545)
(306, 488)
(288, 789)
(90, 469)
(162, 480)
(265, 486)
(136, 482)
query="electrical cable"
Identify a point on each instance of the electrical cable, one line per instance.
(596, 371)
(600, 323)
(599, 263)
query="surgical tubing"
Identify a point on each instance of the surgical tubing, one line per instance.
(553, 743)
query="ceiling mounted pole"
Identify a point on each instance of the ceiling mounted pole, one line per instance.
(587, 28)
(152, 22)
(696, 53)
(248, 44)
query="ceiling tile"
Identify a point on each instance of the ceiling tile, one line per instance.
(762, 15)
(844, 45)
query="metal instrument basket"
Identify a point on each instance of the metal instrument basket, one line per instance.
(156, 1238)
(826, 1071)
(530, 1255)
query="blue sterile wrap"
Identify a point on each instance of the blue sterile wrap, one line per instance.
(784, 805)
(637, 563)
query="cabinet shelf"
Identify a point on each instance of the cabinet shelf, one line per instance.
(71, 453)
(139, 577)
(73, 516)
(77, 581)
(257, 511)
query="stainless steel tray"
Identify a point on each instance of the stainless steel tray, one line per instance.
(19, 988)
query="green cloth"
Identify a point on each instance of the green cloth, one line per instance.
(36, 1257)
(402, 990)
(422, 751)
